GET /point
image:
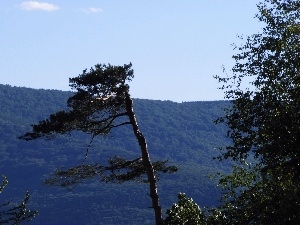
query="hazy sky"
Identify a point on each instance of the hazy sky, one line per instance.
(175, 46)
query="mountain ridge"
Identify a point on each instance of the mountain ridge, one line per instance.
(183, 133)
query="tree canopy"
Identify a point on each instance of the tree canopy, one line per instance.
(94, 108)
(186, 212)
(264, 122)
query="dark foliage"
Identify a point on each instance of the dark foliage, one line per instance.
(264, 122)
(15, 213)
(119, 170)
(99, 100)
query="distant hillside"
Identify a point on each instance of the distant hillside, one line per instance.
(183, 133)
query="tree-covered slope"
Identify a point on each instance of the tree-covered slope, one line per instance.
(183, 133)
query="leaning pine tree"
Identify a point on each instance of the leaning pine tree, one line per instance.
(264, 123)
(102, 102)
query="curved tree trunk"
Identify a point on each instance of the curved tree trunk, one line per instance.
(146, 161)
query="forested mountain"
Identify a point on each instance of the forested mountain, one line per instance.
(182, 133)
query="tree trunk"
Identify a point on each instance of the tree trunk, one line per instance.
(146, 161)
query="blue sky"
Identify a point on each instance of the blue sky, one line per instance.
(175, 46)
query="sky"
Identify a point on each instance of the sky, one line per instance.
(175, 46)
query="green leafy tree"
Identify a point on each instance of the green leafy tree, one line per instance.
(101, 103)
(264, 123)
(185, 212)
(15, 214)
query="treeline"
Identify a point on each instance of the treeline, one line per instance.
(182, 133)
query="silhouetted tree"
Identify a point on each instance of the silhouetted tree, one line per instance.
(102, 102)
